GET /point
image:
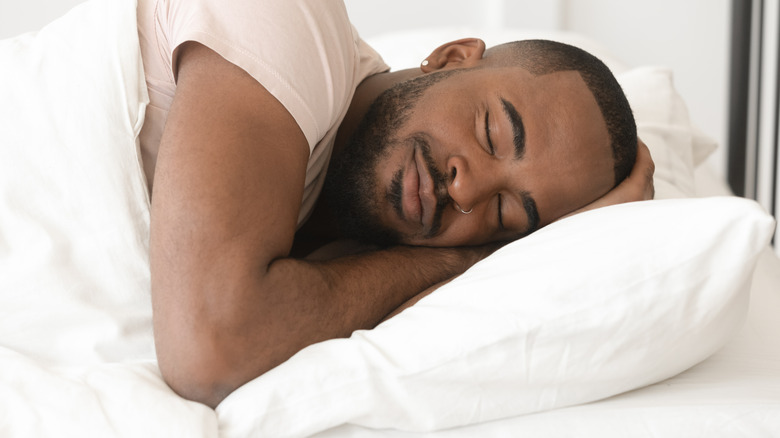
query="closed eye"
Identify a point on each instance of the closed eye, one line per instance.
(492, 151)
(500, 216)
(487, 134)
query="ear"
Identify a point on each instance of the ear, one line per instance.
(466, 52)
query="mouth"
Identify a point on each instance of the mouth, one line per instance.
(426, 192)
(418, 198)
(411, 203)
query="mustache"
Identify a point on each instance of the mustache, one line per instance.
(440, 188)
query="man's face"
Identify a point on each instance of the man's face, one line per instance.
(513, 150)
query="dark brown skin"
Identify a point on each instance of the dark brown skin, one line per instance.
(229, 302)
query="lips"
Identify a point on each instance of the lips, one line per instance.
(410, 201)
(425, 192)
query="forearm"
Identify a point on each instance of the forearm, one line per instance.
(211, 341)
(370, 285)
(413, 300)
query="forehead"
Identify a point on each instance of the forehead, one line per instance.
(561, 91)
(565, 114)
(574, 151)
(558, 109)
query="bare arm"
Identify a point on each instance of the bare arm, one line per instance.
(228, 303)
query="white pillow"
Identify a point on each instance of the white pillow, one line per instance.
(74, 209)
(588, 307)
(663, 124)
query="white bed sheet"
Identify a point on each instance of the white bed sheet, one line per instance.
(734, 393)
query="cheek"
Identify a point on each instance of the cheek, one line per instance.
(461, 230)
(594, 178)
(567, 181)
(566, 195)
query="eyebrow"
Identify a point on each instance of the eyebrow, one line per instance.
(530, 209)
(518, 129)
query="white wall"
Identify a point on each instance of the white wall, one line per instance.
(373, 17)
(20, 16)
(690, 36)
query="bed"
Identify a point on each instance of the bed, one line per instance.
(650, 319)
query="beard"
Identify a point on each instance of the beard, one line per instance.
(351, 189)
(352, 186)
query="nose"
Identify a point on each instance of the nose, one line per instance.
(471, 182)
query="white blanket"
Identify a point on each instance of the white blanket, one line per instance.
(103, 400)
(76, 350)
(75, 214)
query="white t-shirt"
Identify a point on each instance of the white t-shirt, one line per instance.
(306, 53)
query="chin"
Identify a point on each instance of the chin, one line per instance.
(355, 212)
(371, 233)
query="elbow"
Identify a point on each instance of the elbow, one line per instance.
(207, 351)
(199, 373)
(199, 382)
(204, 352)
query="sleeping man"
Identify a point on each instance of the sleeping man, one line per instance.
(253, 102)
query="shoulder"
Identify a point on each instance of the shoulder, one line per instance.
(304, 52)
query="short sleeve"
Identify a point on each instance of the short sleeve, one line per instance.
(304, 52)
